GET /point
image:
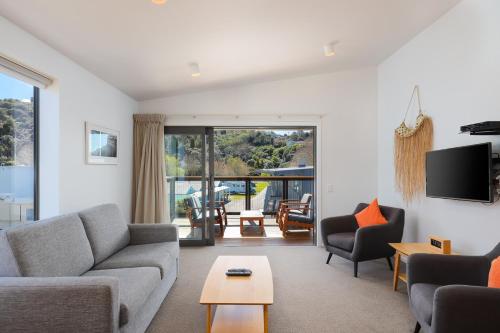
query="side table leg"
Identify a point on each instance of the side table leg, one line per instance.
(266, 319)
(209, 318)
(241, 227)
(397, 259)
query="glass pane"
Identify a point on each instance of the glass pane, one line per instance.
(184, 162)
(16, 152)
(254, 152)
(233, 192)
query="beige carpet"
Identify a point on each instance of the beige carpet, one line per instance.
(309, 296)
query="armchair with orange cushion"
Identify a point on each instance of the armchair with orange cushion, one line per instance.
(343, 236)
(455, 293)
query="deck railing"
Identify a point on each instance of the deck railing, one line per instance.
(241, 192)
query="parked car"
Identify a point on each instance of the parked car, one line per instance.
(238, 187)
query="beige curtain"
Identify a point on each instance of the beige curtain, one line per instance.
(149, 188)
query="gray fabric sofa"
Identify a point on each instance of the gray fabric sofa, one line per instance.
(449, 294)
(342, 236)
(85, 272)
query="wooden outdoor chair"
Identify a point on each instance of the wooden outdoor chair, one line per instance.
(294, 206)
(291, 220)
(194, 212)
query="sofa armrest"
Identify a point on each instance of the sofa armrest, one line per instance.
(59, 304)
(337, 224)
(447, 269)
(373, 241)
(459, 308)
(152, 233)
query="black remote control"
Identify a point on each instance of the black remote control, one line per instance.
(238, 272)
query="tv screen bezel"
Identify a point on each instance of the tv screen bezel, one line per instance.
(490, 173)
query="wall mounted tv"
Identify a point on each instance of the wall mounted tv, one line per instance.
(461, 173)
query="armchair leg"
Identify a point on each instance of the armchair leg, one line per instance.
(389, 262)
(417, 328)
(329, 257)
(355, 269)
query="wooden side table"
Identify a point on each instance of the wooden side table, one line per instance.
(404, 250)
(252, 215)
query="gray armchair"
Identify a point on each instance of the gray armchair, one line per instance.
(449, 294)
(342, 236)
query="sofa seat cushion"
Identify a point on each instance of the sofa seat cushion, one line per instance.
(135, 285)
(53, 247)
(106, 230)
(342, 240)
(160, 255)
(422, 299)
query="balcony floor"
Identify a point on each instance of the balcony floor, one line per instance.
(251, 233)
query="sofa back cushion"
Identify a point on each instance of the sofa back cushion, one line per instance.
(8, 263)
(107, 231)
(53, 247)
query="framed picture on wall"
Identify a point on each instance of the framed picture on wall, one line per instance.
(101, 144)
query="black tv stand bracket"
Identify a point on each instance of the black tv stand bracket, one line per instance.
(484, 128)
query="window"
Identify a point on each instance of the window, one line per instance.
(18, 152)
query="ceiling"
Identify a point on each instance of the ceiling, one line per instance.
(144, 49)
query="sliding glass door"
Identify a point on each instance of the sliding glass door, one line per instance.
(189, 168)
(215, 174)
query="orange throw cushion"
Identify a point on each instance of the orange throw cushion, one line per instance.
(494, 278)
(371, 215)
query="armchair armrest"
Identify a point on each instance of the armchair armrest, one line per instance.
(152, 233)
(59, 304)
(295, 205)
(459, 308)
(447, 269)
(332, 225)
(337, 224)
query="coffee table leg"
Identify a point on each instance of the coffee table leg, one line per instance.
(241, 227)
(209, 318)
(266, 318)
(397, 260)
(261, 225)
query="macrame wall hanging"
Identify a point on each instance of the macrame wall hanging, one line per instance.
(410, 146)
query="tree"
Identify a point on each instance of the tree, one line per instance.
(16, 132)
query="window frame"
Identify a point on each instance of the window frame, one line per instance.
(36, 153)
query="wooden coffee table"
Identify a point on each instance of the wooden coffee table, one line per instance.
(242, 301)
(250, 216)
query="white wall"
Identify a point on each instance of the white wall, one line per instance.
(456, 62)
(67, 183)
(342, 104)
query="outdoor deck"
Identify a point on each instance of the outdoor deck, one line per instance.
(251, 234)
(251, 193)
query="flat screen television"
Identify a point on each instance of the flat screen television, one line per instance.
(461, 173)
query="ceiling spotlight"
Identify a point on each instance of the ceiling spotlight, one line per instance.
(329, 49)
(159, 2)
(195, 69)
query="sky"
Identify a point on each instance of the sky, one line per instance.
(13, 88)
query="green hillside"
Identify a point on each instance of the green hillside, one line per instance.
(16, 132)
(240, 152)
